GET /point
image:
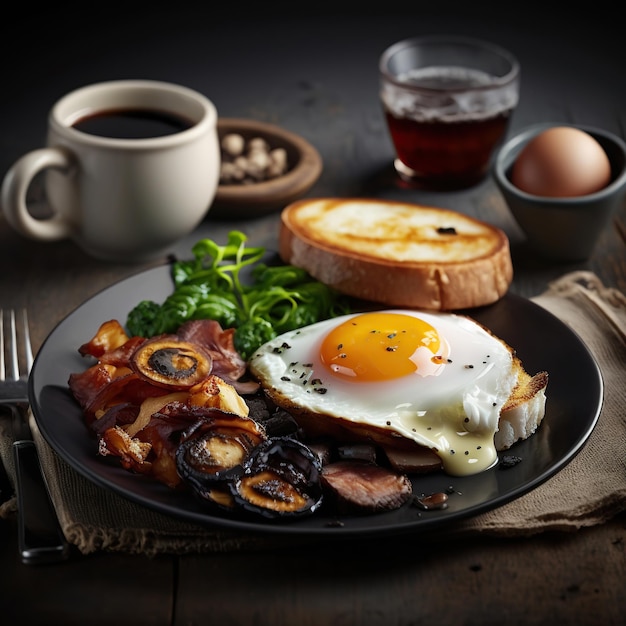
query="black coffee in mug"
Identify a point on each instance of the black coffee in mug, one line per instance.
(124, 200)
(132, 124)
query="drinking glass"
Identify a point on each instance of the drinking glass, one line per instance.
(448, 102)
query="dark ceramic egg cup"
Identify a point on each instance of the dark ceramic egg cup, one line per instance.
(563, 229)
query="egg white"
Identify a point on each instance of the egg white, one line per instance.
(452, 409)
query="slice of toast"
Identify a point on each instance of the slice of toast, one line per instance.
(524, 410)
(397, 253)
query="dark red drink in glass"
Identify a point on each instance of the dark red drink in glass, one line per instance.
(447, 103)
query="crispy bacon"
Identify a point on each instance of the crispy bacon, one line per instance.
(87, 384)
(120, 356)
(118, 415)
(220, 344)
(110, 335)
(152, 451)
(97, 389)
(145, 435)
(132, 452)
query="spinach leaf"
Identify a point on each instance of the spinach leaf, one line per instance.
(270, 301)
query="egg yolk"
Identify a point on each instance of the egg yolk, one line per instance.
(381, 346)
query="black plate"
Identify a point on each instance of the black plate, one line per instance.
(542, 341)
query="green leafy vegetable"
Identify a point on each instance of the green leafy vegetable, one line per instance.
(271, 300)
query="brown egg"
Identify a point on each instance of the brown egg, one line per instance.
(561, 162)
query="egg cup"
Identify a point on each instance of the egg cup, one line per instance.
(557, 228)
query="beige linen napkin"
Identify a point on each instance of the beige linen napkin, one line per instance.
(590, 490)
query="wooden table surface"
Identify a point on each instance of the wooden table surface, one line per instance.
(315, 74)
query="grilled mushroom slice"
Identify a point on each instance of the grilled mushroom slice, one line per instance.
(281, 480)
(168, 362)
(215, 452)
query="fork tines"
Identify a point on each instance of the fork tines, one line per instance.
(13, 353)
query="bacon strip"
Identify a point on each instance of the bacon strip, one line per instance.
(117, 403)
(227, 362)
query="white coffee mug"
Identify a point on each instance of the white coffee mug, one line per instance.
(131, 167)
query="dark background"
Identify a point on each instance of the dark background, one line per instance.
(263, 63)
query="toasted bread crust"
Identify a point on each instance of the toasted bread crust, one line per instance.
(396, 253)
(524, 411)
(527, 388)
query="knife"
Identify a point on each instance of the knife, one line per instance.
(40, 537)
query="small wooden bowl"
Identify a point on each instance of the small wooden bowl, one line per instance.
(237, 201)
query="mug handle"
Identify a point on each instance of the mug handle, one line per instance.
(15, 186)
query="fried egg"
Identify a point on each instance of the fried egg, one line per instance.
(440, 379)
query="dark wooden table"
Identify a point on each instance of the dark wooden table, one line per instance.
(316, 75)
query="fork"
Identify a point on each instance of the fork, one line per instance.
(41, 539)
